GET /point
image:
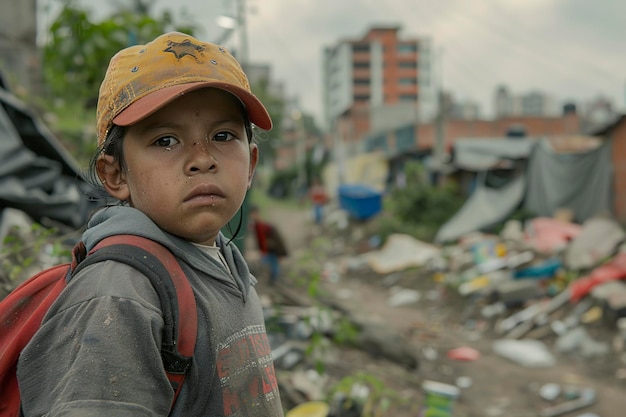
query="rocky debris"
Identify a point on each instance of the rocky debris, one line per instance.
(534, 295)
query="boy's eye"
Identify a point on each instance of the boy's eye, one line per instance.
(223, 137)
(166, 141)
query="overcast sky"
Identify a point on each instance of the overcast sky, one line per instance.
(570, 49)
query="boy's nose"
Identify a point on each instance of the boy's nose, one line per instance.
(202, 159)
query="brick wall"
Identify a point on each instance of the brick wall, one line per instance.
(618, 155)
(533, 126)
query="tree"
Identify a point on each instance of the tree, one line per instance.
(76, 57)
(275, 107)
(79, 49)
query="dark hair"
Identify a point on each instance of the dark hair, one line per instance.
(112, 145)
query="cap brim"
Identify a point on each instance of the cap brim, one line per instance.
(158, 99)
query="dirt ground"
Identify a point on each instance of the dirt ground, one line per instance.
(440, 321)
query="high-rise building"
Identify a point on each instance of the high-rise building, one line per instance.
(377, 82)
(503, 102)
(533, 103)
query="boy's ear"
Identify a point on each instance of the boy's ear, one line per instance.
(112, 178)
(254, 159)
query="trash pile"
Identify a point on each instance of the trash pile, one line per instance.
(540, 289)
(549, 277)
(552, 277)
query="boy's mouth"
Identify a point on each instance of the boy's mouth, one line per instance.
(206, 192)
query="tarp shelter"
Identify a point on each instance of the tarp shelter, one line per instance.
(37, 175)
(579, 181)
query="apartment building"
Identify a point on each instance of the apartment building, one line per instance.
(376, 83)
(533, 103)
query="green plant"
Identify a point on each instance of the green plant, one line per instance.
(308, 268)
(308, 272)
(75, 56)
(17, 256)
(346, 332)
(79, 48)
(388, 224)
(419, 208)
(366, 393)
(316, 349)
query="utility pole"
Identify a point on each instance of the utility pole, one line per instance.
(242, 32)
(339, 152)
(242, 56)
(298, 120)
(440, 134)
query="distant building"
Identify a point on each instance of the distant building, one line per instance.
(376, 83)
(453, 108)
(19, 54)
(423, 137)
(503, 102)
(533, 103)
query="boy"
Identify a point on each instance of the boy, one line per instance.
(176, 149)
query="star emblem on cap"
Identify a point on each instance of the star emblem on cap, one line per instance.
(184, 48)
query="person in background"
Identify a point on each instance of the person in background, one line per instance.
(319, 199)
(269, 242)
(176, 149)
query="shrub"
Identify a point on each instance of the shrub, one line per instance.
(420, 208)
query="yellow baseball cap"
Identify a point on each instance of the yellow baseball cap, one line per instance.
(142, 79)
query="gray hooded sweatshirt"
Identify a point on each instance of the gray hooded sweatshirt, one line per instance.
(97, 352)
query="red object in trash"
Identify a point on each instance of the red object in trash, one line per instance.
(611, 271)
(464, 353)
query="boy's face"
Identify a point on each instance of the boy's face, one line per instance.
(189, 165)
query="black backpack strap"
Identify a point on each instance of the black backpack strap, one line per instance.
(175, 294)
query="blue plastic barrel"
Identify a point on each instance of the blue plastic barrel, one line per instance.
(360, 201)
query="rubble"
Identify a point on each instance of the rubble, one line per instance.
(544, 292)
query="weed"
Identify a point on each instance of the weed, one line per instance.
(367, 394)
(17, 255)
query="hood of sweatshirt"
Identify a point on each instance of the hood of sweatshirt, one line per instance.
(117, 220)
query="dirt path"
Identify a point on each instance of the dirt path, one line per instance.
(494, 386)
(498, 387)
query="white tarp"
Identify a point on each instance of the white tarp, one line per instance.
(580, 182)
(400, 252)
(484, 208)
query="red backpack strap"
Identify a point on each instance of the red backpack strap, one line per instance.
(175, 293)
(21, 313)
